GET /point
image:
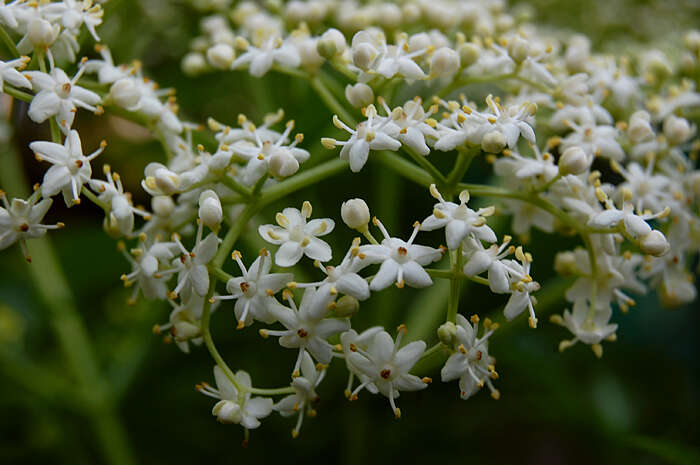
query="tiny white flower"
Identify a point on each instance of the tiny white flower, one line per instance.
(401, 261)
(192, 266)
(470, 362)
(459, 221)
(234, 406)
(304, 393)
(71, 169)
(307, 327)
(297, 237)
(387, 367)
(59, 96)
(268, 51)
(254, 289)
(119, 220)
(146, 262)
(587, 326)
(21, 220)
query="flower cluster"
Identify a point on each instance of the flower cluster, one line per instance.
(597, 149)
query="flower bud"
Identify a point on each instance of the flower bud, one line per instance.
(125, 93)
(655, 244)
(389, 15)
(468, 54)
(519, 49)
(355, 214)
(332, 43)
(185, 330)
(445, 62)
(420, 41)
(578, 53)
(166, 181)
(655, 63)
(162, 205)
(210, 211)
(283, 164)
(677, 130)
(227, 411)
(41, 33)
(447, 333)
(692, 41)
(359, 95)
(221, 56)
(565, 263)
(493, 142)
(362, 55)
(573, 161)
(346, 306)
(193, 63)
(639, 127)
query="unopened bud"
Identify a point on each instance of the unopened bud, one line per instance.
(346, 306)
(221, 56)
(468, 53)
(162, 205)
(363, 54)
(193, 63)
(447, 333)
(677, 130)
(41, 33)
(655, 244)
(519, 49)
(125, 93)
(283, 164)
(574, 160)
(445, 62)
(359, 95)
(355, 214)
(639, 127)
(332, 43)
(210, 210)
(493, 142)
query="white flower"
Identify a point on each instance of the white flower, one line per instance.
(236, 406)
(480, 260)
(401, 261)
(119, 220)
(459, 221)
(21, 220)
(297, 237)
(184, 323)
(59, 96)
(376, 133)
(10, 73)
(538, 170)
(261, 58)
(107, 71)
(71, 169)
(362, 341)
(307, 326)
(145, 263)
(387, 367)
(254, 289)
(304, 393)
(587, 325)
(594, 140)
(412, 122)
(471, 362)
(192, 266)
(270, 156)
(522, 286)
(344, 278)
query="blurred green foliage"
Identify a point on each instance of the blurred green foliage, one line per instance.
(638, 405)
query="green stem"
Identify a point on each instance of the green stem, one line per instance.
(403, 167)
(464, 160)
(301, 180)
(18, 94)
(93, 198)
(423, 162)
(272, 392)
(449, 274)
(229, 182)
(455, 285)
(9, 42)
(331, 102)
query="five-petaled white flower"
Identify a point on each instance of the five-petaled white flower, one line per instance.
(459, 221)
(471, 362)
(235, 404)
(192, 266)
(120, 217)
(254, 290)
(304, 392)
(401, 261)
(296, 237)
(21, 219)
(307, 327)
(387, 367)
(59, 96)
(71, 169)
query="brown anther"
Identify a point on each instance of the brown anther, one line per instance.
(301, 332)
(244, 287)
(385, 373)
(402, 251)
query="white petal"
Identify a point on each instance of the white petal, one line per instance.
(289, 254)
